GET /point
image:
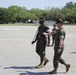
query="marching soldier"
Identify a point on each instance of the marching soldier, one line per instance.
(41, 42)
(59, 47)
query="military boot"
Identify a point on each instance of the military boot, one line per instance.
(53, 71)
(67, 67)
(45, 61)
(39, 66)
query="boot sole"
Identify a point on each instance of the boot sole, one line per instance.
(39, 67)
(52, 73)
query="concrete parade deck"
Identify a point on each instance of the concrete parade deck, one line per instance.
(18, 56)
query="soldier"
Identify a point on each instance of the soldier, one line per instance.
(41, 42)
(53, 35)
(59, 47)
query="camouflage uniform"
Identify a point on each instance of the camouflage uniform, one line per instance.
(59, 47)
(60, 34)
(41, 41)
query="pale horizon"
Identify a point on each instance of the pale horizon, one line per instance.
(29, 4)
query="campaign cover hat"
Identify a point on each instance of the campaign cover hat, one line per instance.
(59, 21)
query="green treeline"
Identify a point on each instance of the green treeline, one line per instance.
(14, 14)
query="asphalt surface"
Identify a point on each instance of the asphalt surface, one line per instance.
(18, 56)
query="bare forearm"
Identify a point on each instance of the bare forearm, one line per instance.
(61, 42)
(50, 33)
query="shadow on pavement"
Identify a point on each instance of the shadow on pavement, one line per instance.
(20, 67)
(40, 73)
(34, 73)
(29, 72)
(72, 52)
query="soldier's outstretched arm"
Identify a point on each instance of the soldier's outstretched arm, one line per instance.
(35, 37)
(48, 33)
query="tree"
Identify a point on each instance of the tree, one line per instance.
(54, 13)
(69, 5)
(70, 12)
(3, 15)
(14, 12)
(37, 12)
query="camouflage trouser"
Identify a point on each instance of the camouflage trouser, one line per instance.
(57, 58)
(40, 48)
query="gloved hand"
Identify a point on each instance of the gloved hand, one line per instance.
(32, 42)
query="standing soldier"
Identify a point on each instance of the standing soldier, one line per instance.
(53, 35)
(41, 42)
(59, 47)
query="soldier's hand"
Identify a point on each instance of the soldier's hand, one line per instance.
(32, 42)
(53, 32)
(45, 34)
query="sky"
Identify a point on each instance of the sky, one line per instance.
(29, 4)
